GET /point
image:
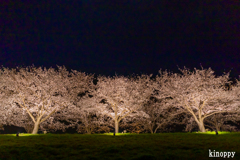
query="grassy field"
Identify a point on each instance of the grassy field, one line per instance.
(168, 146)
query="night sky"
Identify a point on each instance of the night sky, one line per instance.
(122, 36)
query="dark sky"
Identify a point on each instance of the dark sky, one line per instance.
(126, 37)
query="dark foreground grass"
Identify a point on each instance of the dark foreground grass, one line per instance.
(163, 146)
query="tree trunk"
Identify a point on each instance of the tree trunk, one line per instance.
(201, 126)
(150, 128)
(36, 126)
(88, 130)
(157, 126)
(217, 128)
(116, 126)
(151, 131)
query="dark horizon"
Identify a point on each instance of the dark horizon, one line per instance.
(122, 37)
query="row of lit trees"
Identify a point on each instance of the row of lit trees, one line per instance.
(44, 98)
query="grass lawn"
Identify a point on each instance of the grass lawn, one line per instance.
(160, 146)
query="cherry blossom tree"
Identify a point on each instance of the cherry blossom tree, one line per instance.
(136, 127)
(200, 93)
(123, 96)
(39, 92)
(157, 115)
(84, 116)
(220, 121)
(2, 117)
(6, 116)
(93, 123)
(160, 115)
(191, 124)
(160, 109)
(26, 123)
(3, 106)
(7, 111)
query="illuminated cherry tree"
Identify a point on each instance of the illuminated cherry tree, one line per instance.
(220, 121)
(2, 117)
(84, 115)
(39, 92)
(7, 116)
(7, 111)
(160, 114)
(160, 109)
(200, 93)
(123, 96)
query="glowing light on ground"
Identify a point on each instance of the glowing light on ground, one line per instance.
(213, 132)
(117, 134)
